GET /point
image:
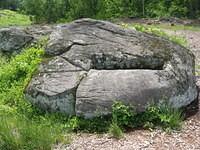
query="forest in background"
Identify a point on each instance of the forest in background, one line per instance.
(52, 11)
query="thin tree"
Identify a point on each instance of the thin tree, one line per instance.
(143, 7)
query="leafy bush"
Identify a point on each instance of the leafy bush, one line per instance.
(121, 114)
(170, 117)
(15, 75)
(174, 38)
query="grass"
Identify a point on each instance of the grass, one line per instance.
(116, 131)
(11, 18)
(176, 39)
(16, 133)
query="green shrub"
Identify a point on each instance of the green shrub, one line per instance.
(175, 39)
(121, 114)
(176, 27)
(15, 75)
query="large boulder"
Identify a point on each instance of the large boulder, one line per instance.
(13, 40)
(97, 62)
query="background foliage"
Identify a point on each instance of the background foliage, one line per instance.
(51, 11)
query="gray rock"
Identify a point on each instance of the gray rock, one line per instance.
(124, 65)
(13, 40)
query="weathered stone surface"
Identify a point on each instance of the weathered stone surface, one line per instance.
(129, 66)
(12, 39)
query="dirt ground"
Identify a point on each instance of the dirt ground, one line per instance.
(186, 139)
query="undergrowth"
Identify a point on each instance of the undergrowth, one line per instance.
(163, 116)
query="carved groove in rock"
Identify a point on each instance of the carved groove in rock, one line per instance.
(97, 62)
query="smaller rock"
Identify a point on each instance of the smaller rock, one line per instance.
(13, 40)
